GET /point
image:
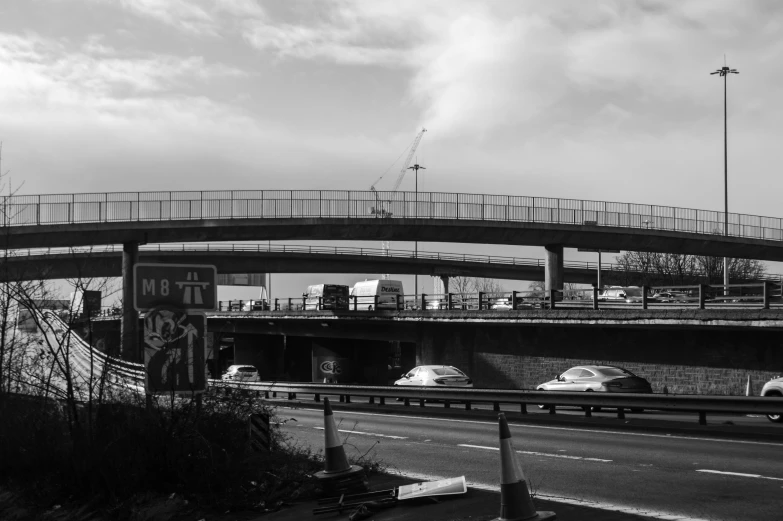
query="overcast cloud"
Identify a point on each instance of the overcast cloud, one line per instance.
(596, 100)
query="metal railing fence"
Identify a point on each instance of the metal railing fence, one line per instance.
(764, 295)
(26, 210)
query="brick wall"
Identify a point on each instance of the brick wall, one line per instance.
(685, 362)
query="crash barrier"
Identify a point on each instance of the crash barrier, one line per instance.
(764, 295)
(623, 402)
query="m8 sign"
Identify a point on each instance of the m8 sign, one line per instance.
(184, 286)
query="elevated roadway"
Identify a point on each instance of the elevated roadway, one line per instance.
(161, 217)
(106, 261)
(134, 218)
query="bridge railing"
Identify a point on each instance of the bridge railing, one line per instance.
(763, 295)
(25, 210)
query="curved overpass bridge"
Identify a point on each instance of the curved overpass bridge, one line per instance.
(106, 261)
(134, 218)
(160, 217)
(89, 262)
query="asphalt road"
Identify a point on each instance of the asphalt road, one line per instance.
(660, 475)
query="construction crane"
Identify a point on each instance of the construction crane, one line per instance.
(379, 210)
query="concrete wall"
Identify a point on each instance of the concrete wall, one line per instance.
(703, 362)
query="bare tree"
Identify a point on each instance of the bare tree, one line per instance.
(650, 268)
(484, 285)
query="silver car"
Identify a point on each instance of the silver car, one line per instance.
(600, 378)
(435, 376)
(241, 373)
(774, 389)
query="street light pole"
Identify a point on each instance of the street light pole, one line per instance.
(416, 169)
(724, 72)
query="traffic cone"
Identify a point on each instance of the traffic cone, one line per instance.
(334, 453)
(515, 501)
(338, 476)
(749, 387)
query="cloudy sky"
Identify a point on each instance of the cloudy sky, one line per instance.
(607, 100)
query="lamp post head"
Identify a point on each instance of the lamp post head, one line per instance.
(724, 71)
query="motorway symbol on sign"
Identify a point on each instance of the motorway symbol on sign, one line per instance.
(184, 286)
(175, 351)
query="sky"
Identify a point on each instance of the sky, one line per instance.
(603, 100)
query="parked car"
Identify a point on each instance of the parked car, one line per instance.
(241, 373)
(435, 376)
(600, 378)
(774, 389)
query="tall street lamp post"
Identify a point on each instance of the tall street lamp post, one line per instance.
(416, 169)
(724, 72)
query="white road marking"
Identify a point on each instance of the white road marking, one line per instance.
(531, 453)
(625, 509)
(368, 434)
(528, 426)
(738, 474)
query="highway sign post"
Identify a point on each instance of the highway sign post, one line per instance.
(185, 286)
(174, 297)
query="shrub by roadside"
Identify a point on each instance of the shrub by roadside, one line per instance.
(119, 461)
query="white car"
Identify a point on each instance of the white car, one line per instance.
(435, 376)
(774, 389)
(241, 373)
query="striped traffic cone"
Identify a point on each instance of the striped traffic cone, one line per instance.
(338, 476)
(515, 501)
(749, 387)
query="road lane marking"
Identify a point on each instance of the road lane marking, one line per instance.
(532, 453)
(738, 474)
(625, 509)
(368, 434)
(595, 431)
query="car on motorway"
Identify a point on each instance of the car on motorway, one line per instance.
(500, 304)
(241, 373)
(671, 296)
(774, 389)
(598, 378)
(435, 376)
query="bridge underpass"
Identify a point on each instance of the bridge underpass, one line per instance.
(688, 351)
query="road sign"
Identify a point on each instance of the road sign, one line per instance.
(183, 286)
(175, 351)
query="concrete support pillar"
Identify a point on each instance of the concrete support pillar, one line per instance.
(130, 348)
(444, 280)
(553, 273)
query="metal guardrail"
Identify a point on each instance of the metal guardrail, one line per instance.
(621, 401)
(27, 210)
